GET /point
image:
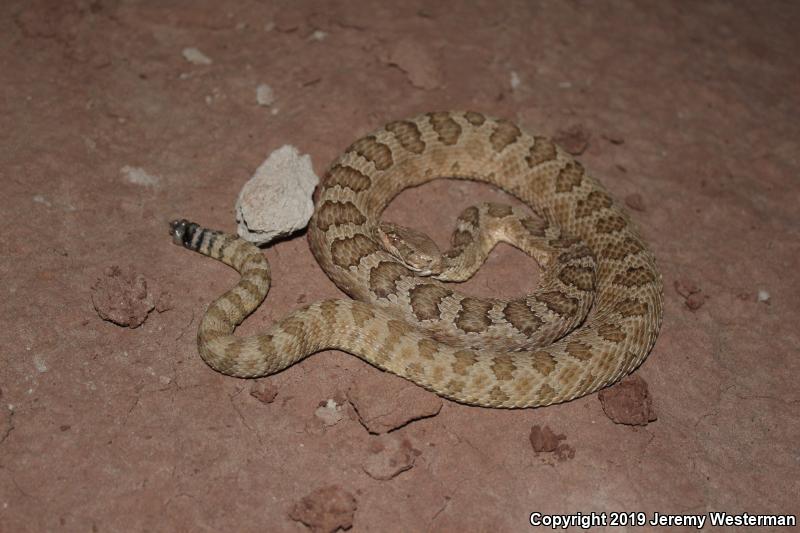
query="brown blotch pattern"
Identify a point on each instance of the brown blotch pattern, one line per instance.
(361, 314)
(546, 393)
(569, 177)
(579, 350)
(543, 362)
(611, 332)
(521, 317)
(607, 363)
(445, 127)
(455, 385)
(543, 150)
(329, 312)
(630, 308)
(234, 350)
(294, 327)
(217, 314)
(575, 253)
(610, 224)
(474, 118)
(408, 135)
(425, 300)
(265, 344)
(559, 303)
(428, 348)
(251, 288)
(474, 315)
(437, 373)
(348, 178)
(622, 250)
(497, 395)
(587, 381)
(596, 201)
(236, 301)
(504, 134)
(399, 328)
(577, 276)
(374, 151)
(334, 213)
(384, 277)
(634, 277)
(415, 369)
(503, 367)
(499, 210)
(347, 252)
(464, 359)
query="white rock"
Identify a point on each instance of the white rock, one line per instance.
(39, 199)
(39, 363)
(277, 199)
(195, 56)
(139, 176)
(330, 413)
(763, 296)
(264, 95)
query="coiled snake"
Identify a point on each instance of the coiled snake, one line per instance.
(593, 320)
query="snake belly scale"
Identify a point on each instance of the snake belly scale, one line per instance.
(593, 320)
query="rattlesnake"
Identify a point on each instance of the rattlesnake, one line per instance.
(482, 352)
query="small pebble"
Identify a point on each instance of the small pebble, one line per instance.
(263, 392)
(265, 97)
(195, 56)
(695, 301)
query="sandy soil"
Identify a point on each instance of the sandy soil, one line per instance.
(110, 125)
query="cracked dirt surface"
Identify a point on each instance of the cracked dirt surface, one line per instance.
(687, 111)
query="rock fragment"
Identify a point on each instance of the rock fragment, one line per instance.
(265, 96)
(385, 405)
(329, 412)
(545, 441)
(139, 176)
(628, 402)
(693, 297)
(122, 297)
(264, 391)
(277, 200)
(389, 456)
(195, 56)
(326, 510)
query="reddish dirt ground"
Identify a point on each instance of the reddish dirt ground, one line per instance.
(689, 110)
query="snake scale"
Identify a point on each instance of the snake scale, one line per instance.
(594, 318)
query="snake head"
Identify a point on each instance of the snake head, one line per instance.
(182, 231)
(412, 248)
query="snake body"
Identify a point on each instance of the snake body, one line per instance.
(593, 320)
